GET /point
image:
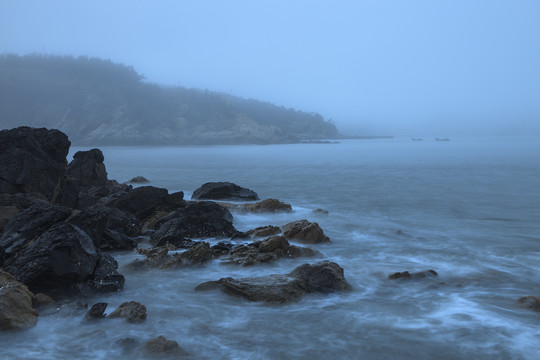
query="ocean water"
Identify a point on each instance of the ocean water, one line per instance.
(468, 209)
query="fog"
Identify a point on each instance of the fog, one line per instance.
(404, 68)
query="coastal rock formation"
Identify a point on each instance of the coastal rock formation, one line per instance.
(16, 311)
(139, 180)
(264, 231)
(405, 275)
(197, 219)
(144, 201)
(305, 232)
(132, 311)
(323, 277)
(33, 160)
(223, 191)
(264, 206)
(268, 250)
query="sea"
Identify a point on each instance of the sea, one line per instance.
(468, 208)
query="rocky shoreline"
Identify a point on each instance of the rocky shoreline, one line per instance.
(59, 222)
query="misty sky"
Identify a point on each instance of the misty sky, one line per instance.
(397, 67)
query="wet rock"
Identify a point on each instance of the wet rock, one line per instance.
(174, 243)
(22, 201)
(405, 275)
(145, 200)
(163, 347)
(33, 160)
(268, 250)
(222, 248)
(155, 257)
(6, 214)
(16, 311)
(264, 231)
(106, 278)
(199, 254)
(132, 311)
(305, 232)
(264, 206)
(200, 219)
(530, 302)
(42, 300)
(323, 277)
(139, 180)
(321, 211)
(62, 260)
(223, 191)
(97, 311)
(128, 345)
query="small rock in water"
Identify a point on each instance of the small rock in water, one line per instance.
(132, 311)
(163, 346)
(405, 275)
(97, 311)
(128, 345)
(223, 191)
(305, 232)
(42, 300)
(321, 211)
(530, 302)
(139, 180)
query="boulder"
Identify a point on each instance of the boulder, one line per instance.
(16, 311)
(268, 250)
(33, 160)
(305, 232)
(264, 206)
(106, 278)
(405, 275)
(161, 346)
(145, 200)
(530, 302)
(41, 300)
(199, 219)
(155, 257)
(199, 254)
(223, 191)
(132, 311)
(323, 277)
(97, 311)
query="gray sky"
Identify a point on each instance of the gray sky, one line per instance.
(399, 67)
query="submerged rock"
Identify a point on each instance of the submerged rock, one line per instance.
(305, 232)
(264, 231)
(323, 277)
(223, 191)
(405, 275)
(530, 302)
(163, 347)
(132, 311)
(264, 206)
(16, 311)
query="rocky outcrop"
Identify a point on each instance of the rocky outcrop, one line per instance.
(144, 201)
(264, 231)
(224, 191)
(159, 257)
(33, 160)
(405, 275)
(305, 232)
(132, 311)
(268, 250)
(197, 219)
(323, 277)
(264, 206)
(16, 311)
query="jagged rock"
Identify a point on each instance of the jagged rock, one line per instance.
(264, 206)
(223, 191)
(29, 224)
(222, 248)
(530, 302)
(139, 180)
(97, 311)
(323, 277)
(305, 232)
(33, 160)
(16, 311)
(268, 250)
(198, 254)
(264, 231)
(6, 214)
(106, 278)
(163, 347)
(174, 243)
(143, 201)
(199, 219)
(132, 311)
(154, 258)
(22, 201)
(405, 275)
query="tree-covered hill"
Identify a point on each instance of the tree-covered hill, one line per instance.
(98, 102)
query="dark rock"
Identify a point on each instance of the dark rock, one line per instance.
(530, 302)
(113, 240)
(6, 214)
(199, 254)
(97, 311)
(268, 250)
(264, 231)
(222, 248)
(223, 191)
(106, 278)
(123, 222)
(321, 211)
(139, 180)
(16, 311)
(154, 258)
(87, 168)
(128, 345)
(132, 311)
(93, 221)
(142, 201)
(61, 260)
(405, 275)
(265, 206)
(199, 219)
(174, 243)
(22, 201)
(323, 277)
(305, 232)
(29, 224)
(33, 160)
(41, 300)
(163, 347)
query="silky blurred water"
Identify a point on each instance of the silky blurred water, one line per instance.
(468, 208)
